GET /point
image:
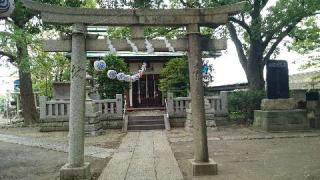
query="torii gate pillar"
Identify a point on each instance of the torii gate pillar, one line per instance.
(76, 168)
(201, 164)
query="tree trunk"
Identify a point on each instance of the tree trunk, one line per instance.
(254, 70)
(254, 75)
(29, 111)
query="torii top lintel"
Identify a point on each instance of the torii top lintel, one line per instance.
(127, 17)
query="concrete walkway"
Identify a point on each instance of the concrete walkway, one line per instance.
(92, 151)
(143, 155)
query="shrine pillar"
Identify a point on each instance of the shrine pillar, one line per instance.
(201, 164)
(76, 168)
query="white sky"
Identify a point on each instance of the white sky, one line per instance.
(228, 69)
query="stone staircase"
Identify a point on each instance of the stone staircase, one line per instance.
(145, 120)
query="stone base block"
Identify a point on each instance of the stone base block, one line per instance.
(73, 173)
(177, 121)
(112, 124)
(204, 168)
(279, 104)
(281, 120)
(94, 133)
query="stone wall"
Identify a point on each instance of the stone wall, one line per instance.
(112, 122)
(177, 121)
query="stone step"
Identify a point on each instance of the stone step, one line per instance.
(133, 118)
(146, 127)
(145, 122)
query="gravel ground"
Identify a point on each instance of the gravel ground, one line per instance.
(283, 157)
(29, 163)
(111, 138)
(34, 163)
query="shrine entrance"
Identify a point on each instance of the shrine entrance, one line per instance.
(194, 43)
(146, 92)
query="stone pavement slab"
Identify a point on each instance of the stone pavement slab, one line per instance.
(92, 151)
(144, 155)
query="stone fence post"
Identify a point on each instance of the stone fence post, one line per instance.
(169, 107)
(119, 104)
(224, 102)
(42, 106)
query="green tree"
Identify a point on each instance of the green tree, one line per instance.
(2, 105)
(306, 40)
(16, 41)
(175, 77)
(108, 88)
(256, 36)
(48, 68)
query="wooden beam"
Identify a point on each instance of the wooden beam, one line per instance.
(122, 45)
(128, 17)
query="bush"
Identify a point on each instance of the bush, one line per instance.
(108, 88)
(2, 104)
(175, 77)
(241, 104)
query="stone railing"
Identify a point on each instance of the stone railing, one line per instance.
(53, 109)
(180, 105)
(110, 107)
(177, 106)
(59, 109)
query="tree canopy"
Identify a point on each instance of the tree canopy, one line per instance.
(306, 40)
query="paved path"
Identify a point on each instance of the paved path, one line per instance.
(54, 145)
(144, 155)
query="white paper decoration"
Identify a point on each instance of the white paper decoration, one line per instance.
(206, 78)
(112, 74)
(110, 46)
(99, 65)
(149, 47)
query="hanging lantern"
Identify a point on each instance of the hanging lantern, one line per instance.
(6, 8)
(112, 74)
(133, 78)
(120, 76)
(127, 78)
(99, 65)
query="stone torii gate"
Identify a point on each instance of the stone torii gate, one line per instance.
(79, 18)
